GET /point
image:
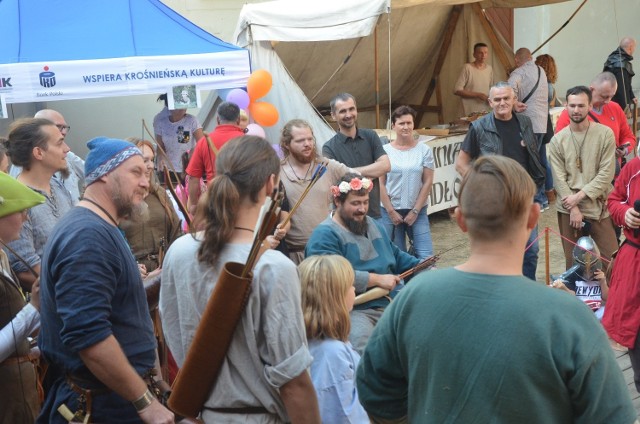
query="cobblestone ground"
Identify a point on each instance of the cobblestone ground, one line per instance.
(446, 235)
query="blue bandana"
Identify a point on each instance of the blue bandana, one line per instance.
(105, 155)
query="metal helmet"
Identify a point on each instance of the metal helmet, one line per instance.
(587, 255)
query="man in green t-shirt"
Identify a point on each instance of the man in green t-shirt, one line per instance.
(480, 342)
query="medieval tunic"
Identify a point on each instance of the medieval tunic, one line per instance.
(18, 391)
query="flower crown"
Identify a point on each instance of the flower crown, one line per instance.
(356, 184)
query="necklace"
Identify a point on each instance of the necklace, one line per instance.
(575, 146)
(243, 229)
(306, 173)
(102, 209)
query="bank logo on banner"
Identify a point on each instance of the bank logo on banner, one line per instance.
(47, 79)
(5, 82)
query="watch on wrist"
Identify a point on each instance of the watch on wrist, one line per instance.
(416, 211)
(143, 401)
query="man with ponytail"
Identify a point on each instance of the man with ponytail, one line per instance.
(264, 377)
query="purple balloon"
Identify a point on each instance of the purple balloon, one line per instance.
(255, 129)
(239, 97)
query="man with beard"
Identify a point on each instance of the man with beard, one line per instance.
(509, 134)
(73, 175)
(606, 112)
(358, 148)
(39, 148)
(96, 330)
(350, 233)
(582, 158)
(297, 169)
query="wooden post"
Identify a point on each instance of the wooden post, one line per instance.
(547, 272)
(377, 76)
(505, 59)
(446, 42)
(439, 101)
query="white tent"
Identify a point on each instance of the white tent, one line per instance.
(323, 48)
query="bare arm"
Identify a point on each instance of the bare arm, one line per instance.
(198, 134)
(377, 169)
(107, 362)
(300, 400)
(162, 150)
(468, 94)
(194, 194)
(463, 162)
(427, 182)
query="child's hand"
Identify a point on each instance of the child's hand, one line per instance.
(599, 275)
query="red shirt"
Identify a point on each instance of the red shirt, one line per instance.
(203, 159)
(613, 117)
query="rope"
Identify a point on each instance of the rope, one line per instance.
(389, 59)
(549, 229)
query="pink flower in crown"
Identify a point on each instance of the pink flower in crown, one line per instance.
(335, 190)
(356, 184)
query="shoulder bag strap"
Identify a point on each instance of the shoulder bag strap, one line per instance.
(535, 87)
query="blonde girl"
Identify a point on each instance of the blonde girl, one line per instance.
(327, 299)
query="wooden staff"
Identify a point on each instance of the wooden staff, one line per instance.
(317, 174)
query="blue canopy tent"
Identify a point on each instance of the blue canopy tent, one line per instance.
(77, 49)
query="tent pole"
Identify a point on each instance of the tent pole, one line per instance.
(507, 63)
(446, 42)
(377, 74)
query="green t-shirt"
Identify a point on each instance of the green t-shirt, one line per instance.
(458, 347)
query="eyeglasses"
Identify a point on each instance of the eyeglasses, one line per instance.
(63, 128)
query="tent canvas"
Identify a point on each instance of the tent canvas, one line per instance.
(73, 49)
(304, 43)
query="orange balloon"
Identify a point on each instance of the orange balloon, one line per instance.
(264, 113)
(259, 84)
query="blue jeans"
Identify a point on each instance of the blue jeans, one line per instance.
(419, 233)
(531, 256)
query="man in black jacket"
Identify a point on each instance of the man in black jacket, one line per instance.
(619, 64)
(509, 134)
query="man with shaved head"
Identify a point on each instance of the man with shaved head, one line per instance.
(619, 64)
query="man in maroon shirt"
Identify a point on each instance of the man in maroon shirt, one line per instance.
(204, 157)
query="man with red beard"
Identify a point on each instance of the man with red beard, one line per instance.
(582, 158)
(300, 162)
(96, 331)
(350, 233)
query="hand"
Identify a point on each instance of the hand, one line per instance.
(35, 294)
(482, 97)
(575, 218)
(279, 233)
(569, 202)
(558, 284)
(395, 217)
(156, 414)
(620, 152)
(520, 107)
(410, 219)
(386, 281)
(272, 241)
(191, 207)
(599, 275)
(632, 218)
(143, 270)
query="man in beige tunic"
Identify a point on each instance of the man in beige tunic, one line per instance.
(474, 82)
(301, 158)
(582, 158)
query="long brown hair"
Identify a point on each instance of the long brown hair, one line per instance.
(547, 63)
(325, 281)
(242, 167)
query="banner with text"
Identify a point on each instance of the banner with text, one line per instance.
(82, 79)
(446, 180)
